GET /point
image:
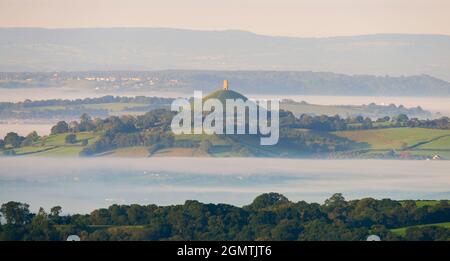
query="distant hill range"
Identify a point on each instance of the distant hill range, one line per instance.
(37, 49)
(150, 49)
(250, 82)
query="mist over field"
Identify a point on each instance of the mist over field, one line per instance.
(81, 185)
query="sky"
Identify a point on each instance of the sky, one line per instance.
(308, 18)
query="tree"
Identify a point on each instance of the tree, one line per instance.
(85, 118)
(54, 214)
(2, 144)
(267, 200)
(427, 233)
(13, 139)
(402, 118)
(71, 138)
(60, 127)
(74, 126)
(30, 139)
(101, 217)
(286, 230)
(41, 228)
(335, 200)
(272, 217)
(337, 209)
(9, 153)
(367, 124)
(16, 213)
(391, 153)
(136, 215)
(86, 123)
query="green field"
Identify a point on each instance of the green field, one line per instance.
(59, 139)
(55, 145)
(402, 230)
(419, 142)
(55, 139)
(382, 124)
(32, 149)
(62, 151)
(397, 138)
(91, 137)
(423, 203)
(442, 143)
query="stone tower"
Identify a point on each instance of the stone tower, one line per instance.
(225, 85)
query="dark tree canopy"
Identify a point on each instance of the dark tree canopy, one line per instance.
(71, 138)
(270, 216)
(16, 213)
(60, 127)
(13, 139)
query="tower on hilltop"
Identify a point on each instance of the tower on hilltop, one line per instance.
(225, 85)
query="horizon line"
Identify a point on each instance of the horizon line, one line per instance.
(234, 71)
(221, 30)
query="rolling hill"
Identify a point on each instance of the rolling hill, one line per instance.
(223, 95)
(305, 136)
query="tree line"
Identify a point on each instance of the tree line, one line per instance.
(270, 216)
(72, 109)
(66, 102)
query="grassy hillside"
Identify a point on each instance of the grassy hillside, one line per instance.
(55, 145)
(402, 230)
(301, 145)
(442, 143)
(424, 203)
(412, 141)
(396, 138)
(417, 143)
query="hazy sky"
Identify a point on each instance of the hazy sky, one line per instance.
(272, 17)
